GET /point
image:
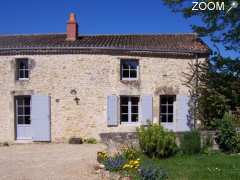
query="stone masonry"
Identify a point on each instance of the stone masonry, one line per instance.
(93, 77)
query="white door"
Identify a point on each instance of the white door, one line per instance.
(23, 117)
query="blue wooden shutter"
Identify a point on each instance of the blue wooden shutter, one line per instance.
(40, 115)
(146, 109)
(112, 111)
(182, 113)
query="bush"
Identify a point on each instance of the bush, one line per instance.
(130, 153)
(115, 163)
(155, 141)
(227, 137)
(190, 142)
(102, 156)
(152, 172)
(90, 141)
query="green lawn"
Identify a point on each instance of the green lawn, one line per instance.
(201, 167)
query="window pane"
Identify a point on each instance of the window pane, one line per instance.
(163, 109)
(124, 109)
(133, 64)
(133, 74)
(163, 100)
(124, 100)
(27, 110)
(124, 66)
(21, 74)
(134, 117)
(170, 118)
(27, 120)
(20, 111)
(27, 101)
(125, 74)
(23, 64)
(163, 118)
(124, 117)
(134, 100)
(26, 74)
(20, 119)
(134, 109)
(170, 109)
(170, 99)
(20, 101)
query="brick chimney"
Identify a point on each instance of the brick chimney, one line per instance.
(72, 28)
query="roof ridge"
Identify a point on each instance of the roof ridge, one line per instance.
(34, 34)
(140, 34)
(130, 34)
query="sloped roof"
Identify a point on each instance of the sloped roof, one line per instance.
(57, 44)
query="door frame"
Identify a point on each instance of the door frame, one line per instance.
(15, 115)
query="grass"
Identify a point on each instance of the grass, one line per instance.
(216, 166)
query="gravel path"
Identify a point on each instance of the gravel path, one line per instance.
(49, 162)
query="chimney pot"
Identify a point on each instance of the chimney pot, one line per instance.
(72, 28)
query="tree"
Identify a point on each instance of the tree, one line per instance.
(218, 90)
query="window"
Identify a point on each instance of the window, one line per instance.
(23, 110)
(166, 108)
(129, 69)
(129, 108)
(22, 69)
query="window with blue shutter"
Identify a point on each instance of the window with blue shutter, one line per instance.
(146, 109)
(40, 114)
(112, 111)
(182, 113)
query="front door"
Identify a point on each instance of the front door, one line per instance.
(23, 117)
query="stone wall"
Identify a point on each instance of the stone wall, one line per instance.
(93, 77)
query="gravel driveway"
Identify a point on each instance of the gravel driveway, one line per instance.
(49, 162)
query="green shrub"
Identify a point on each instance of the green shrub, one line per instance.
(207, 144)
(190, 142)
(227, 137)
(155, 141)
(130, 153)
(90, 141)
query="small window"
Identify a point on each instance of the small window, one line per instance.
(129, 69)
(167, 108)
(22, 69)
(129, 107)
(23, 110)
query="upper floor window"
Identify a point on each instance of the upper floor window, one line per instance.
(129, 69)
(22, 69)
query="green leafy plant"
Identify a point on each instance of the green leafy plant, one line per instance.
(115, 163)
(102, 156)
(155, 141)
(227, 137)
(190, 142)
(90, 141)
(130, 153)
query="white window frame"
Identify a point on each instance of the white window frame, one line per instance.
(24, 70)
(129, 105)
(23, 107)
(129, 69)
(167, 106)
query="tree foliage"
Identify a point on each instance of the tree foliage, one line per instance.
(220, 26)
(218, 90)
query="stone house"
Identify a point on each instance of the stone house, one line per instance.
(57, 86)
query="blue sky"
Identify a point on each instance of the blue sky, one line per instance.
(94, 17)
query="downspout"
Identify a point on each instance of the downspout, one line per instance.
(196, 92)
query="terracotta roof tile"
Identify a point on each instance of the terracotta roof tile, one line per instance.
(177, 43)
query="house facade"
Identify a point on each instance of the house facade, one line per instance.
(57, 86)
